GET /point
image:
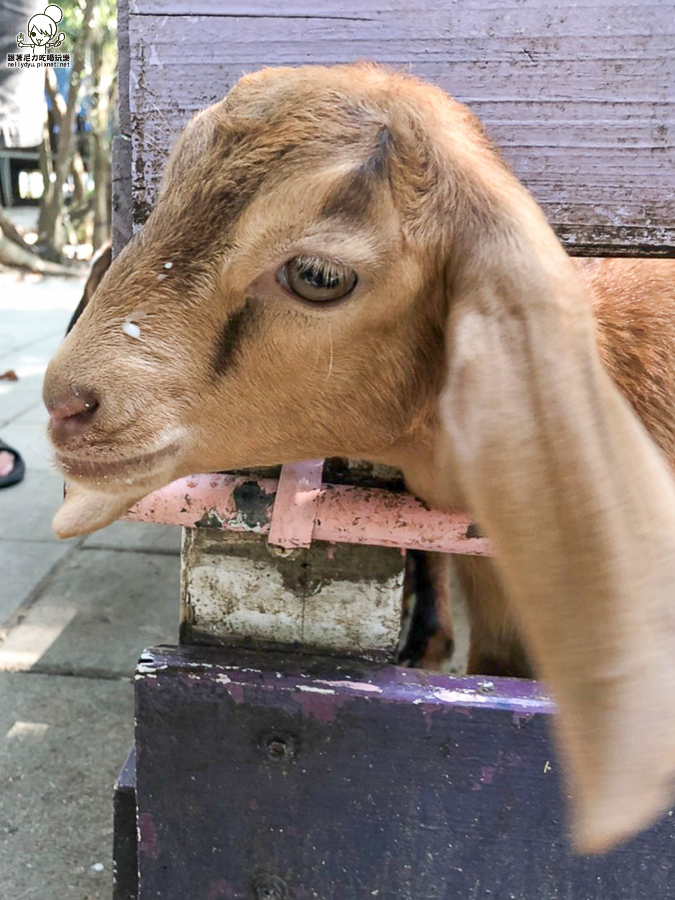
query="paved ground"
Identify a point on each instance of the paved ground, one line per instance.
(74, 616)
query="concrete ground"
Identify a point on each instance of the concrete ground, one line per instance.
(74, 616)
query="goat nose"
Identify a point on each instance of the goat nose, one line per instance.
(71, 414)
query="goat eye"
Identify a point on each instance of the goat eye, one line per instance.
(317, 280)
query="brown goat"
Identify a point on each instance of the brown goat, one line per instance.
(339, 264)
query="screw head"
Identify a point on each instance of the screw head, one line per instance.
(270, 887)
(279, 747)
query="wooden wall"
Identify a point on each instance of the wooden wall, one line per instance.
(579, 96)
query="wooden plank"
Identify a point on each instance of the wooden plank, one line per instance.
(263, 776)
(580, 98)
(125, 843)
(122, 224)
(342, 600)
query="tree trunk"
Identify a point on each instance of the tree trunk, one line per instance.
(8, 231)
(15, 252)
(46, 162)
(50, 228)
(79, 175)
(103, 180)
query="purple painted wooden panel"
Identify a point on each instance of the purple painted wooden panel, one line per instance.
(125, 842)
(579, 96)
(292, 779)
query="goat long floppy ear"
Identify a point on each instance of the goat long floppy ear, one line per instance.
(580, 507)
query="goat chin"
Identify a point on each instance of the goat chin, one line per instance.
(85, 509)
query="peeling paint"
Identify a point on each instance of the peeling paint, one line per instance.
(457, 696)
(353, 686)
(253, 505)
(145, 668)
(314, 706)
(211, 519)
(487, 774)
(314, 690)
(236, 691)
(148, 841)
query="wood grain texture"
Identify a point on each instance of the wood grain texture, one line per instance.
(269, 777)
(579, 98)
(122, 214)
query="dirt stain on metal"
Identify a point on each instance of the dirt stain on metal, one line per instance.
(253, 504)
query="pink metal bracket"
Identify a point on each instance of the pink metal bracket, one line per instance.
(296, 504)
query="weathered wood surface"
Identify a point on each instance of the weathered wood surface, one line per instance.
(261, 776)
(239, 591)
(121, 143)
(578, 96)
(125, 841)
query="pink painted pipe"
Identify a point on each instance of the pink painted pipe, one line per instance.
(344, 513)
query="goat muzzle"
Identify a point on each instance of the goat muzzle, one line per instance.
(71, 413)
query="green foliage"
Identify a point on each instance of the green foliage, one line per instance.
(105, 16)
(102, 52)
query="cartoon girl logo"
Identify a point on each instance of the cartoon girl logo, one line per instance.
(42, 31)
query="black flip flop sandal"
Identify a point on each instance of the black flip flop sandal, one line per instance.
(19, 470)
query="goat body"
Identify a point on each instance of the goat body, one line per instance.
(340, 264)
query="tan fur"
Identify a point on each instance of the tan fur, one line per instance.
(467, 356)
(633, 301)
(99, 266)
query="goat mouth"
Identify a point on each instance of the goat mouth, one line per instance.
(133, 466)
